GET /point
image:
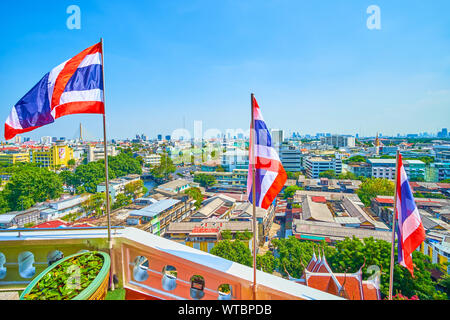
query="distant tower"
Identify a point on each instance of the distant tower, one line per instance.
(81, 133)
(377, 145)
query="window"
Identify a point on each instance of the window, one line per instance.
(197, 287)
(54, 256)
(169, 280)
(225, 292)
(26, 261)
(140, 269)
(2, 267)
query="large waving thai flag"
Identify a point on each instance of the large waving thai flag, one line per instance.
(270, 176)
(75, 86)
(410, 231)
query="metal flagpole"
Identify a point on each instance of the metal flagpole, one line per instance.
(394, 218)
(106, 172)
(255, 230)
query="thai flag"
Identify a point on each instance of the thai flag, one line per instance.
(269, 172)
(75, 86)
(410, 231)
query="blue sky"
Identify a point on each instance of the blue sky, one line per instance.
(314, 66)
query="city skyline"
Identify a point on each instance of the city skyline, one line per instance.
(311, 71)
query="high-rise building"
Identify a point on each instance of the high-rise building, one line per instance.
(277, 137)
(159, 137)
(316, 165)
(291, 158)
(57, 155)
(168, 138)
(338, 141)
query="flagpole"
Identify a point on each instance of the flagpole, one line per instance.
(106, 172)
(255, 230)
(394, 218)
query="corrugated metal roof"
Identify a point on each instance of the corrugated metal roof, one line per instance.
(155, 208)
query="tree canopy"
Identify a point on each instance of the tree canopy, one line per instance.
(372, 187)
(86, 177)
(330, 174)
(205, 180)
(28, 185)
(352, 254)
(235, 251)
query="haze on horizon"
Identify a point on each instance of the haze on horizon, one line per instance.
(313, 66)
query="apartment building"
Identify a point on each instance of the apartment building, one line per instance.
(316, 165)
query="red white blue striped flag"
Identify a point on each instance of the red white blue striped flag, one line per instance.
(270, 176)
(75, 86)
(410, 231)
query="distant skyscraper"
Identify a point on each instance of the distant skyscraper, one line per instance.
(159, 137)
(444, 133)
(277, 137)
(168, 138)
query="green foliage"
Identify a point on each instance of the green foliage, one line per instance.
(429, 195)
(246, 235)
(445, 181)
(121, 201)
(292, 175)
(330, 174)
(60, 282)
(134, 189)
(349, 256)
(97, 203)
(372, 187)
(226, 235)
(86, 177)
(290, 191)
(266, 262)
(196, 194)
(71, 162)
(165, 168)
(347, 175)
(205, 180)
(235, 251)
(445, 283)
(28, 185)
(219, 168)
(426, 159)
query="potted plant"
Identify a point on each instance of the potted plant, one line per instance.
(81, 276)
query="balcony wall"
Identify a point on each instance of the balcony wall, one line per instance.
(131, 243)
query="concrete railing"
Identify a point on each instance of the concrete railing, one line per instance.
(143, 262)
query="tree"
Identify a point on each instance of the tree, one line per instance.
(347, 175)
(71, 162)
(220, 168)
(67, 177)
(28, 185)
(97, 203)
(349, 256)
(196, 194)
(86, 177)
(165, 168)
(330, 174)
(226, 235)
(445, 283)
(235, 251)
(372, 187)
(134, 189)
(355, 159)
(289, 192)
(266, 262)
(205, 180)
(121, 201)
